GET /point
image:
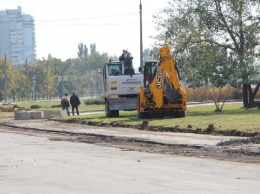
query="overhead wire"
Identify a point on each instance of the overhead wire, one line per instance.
(53, 21)
(60, 22)
(96, 17)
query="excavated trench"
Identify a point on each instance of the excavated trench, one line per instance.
(144, 126)
(241, 150)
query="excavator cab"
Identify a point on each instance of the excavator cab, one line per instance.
(150, 68)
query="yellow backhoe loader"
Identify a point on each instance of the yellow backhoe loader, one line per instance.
(162, 93)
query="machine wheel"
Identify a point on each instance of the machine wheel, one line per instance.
(180, 113)
(172, 113)
(107, 110)
(115, 113)
(141, 115)
(110, 113)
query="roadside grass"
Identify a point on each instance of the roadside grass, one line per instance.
(7, 108)
(233, 118)
(54, 105)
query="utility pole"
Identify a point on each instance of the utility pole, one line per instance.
(27, 81)
(62, 80)
(141, 36)
(47, 79)
(34, 88)
(5, 79)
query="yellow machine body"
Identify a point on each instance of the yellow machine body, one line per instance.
(162, 93)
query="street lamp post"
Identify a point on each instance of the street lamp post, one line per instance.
(34, 89)
(141, 36)
(91, 85)
(97, 80)
(62, 79)
(47, 79)
(27, 81)
(5, 79)
(27, 77)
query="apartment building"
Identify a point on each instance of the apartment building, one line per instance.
(17, 36)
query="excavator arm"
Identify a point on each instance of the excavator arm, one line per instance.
(167, 83)
(162, 93)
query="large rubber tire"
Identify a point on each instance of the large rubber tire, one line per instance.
(110, 113)
(180, 113)
(141, 115)
(107, 110)
(115, 113)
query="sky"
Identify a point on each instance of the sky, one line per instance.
(113, 25)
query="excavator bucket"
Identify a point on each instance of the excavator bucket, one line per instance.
(171, 93)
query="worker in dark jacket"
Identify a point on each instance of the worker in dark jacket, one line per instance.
(74, 102)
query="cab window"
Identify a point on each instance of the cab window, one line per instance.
(115, 69)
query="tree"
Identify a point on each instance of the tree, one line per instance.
(2, 77)
(85, 74)
(82, 51)
(93, 48)
(15, 80)
(151, 54)
(97, 60)
(47, 80)
(229, 24)
(208, 66)
(16, 83)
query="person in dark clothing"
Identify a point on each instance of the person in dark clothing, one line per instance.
(74, 102)
(65, 103)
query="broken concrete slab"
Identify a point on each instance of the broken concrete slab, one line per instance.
(25, 115)
(48, 113)
(36, 114)
(22, 115)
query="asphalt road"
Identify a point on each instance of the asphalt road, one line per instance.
(37, 164)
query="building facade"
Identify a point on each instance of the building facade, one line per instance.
(17, 36)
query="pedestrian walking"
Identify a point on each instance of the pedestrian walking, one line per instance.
(65, 103)
(74, 102)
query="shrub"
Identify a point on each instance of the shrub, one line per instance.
(7, 109)
(206, 94)
(22, 108)
(35, 106)
(198, 94)
(56, 106)
(96, 101)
